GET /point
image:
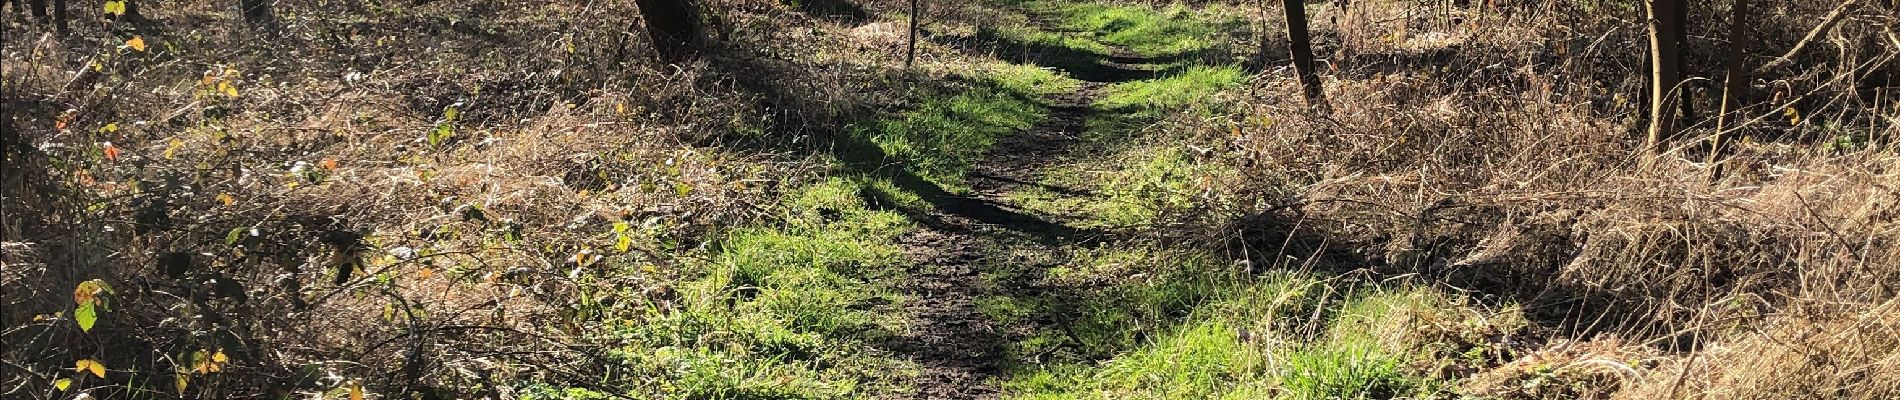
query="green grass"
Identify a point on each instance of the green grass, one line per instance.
(793, 309)
(940, 138)
(1188, 87)
(1155, 32)
(1134, 188)
(1243, 339)
(784, 310)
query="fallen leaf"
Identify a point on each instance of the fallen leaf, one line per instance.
(136, 43)
(84, 365)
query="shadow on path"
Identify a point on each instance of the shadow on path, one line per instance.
(978, 246)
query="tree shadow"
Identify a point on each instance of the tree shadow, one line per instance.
(1083, 64)
(840, 11)
(812, 128)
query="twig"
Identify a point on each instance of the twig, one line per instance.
(1826, 24)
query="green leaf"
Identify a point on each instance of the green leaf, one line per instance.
(115, 7)
(443, 131)
(231, 239)
(86, 315)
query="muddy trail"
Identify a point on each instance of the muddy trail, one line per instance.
(980, 245)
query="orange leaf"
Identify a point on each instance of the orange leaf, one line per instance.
(328, 164)
(136, 43)
(112, 152)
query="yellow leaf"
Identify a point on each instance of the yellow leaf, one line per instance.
(356, 392)
(63, 383)
(115, 7)
(227, 199)
(172, 149)
(136, 43)
(88, 364)
(228, 89)
(425, 273)
(623, 244)
(182, 380)
(1794, 116)
(205, 362)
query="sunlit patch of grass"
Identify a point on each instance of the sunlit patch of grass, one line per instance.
(783, 310)
(1139, 187)
(1154, 32)
(1284, 335)
(940, 138)
(1030, 80)
(1129, 294)
(1187, 87)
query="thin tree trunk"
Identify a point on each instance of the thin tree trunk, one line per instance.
(36, 9)
(910, 48)
(1687, 101)
(1301, 45)
(256, 12)
(1734, 83)
(673, 25)
(59, 16)
(1665, 72)
(1262, 5)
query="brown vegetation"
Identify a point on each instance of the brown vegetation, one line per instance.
(1490, 159)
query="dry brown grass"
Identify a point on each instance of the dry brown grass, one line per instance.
(470, 247)
(1498, 158)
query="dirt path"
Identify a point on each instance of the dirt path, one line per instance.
(982, 246)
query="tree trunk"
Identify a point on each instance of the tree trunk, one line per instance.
(36, 9)
(1665, 65)
(673, 25)
(1301, 45)
(1687, 100)
(59, 16)
(1263, 58)
(1734, 85)
(910, 48)
(256, 12)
